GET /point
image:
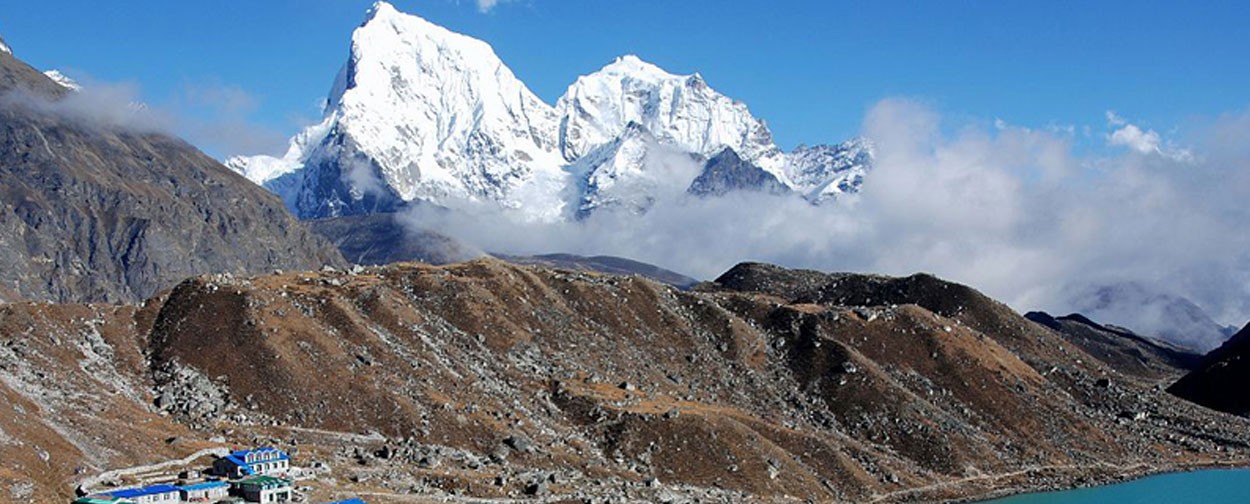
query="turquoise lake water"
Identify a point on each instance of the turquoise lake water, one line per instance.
(1216, 486)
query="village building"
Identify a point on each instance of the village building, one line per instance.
(264, 489)
(155, 494)
(208, 491)
(259, 461)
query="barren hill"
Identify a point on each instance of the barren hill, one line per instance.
(486, 379)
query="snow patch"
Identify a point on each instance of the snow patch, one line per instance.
(64, 80)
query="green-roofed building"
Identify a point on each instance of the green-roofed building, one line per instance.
(264, 489)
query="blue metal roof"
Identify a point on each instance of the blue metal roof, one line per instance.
(348, 501)
(131, 493)
(263, 449)
(239, 457)
(205, 485)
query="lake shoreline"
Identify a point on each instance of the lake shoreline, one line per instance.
(1047, 479)
(1095, 479)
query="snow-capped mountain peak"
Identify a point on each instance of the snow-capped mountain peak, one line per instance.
(682, 111)
(380, 8)
(420, 112)
(631, 65)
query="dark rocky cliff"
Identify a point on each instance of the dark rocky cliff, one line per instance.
(727, 172)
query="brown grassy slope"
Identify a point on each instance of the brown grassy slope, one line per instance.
(852, 388)
(75, 398)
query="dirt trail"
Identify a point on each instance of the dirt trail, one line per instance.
(86, 486)
(1120, 469)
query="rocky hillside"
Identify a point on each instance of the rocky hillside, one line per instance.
(1220, 380)
(93, 212)
(77, 395)
(486, 379)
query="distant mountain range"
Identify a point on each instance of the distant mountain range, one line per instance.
(1162, 315)
(420, 113)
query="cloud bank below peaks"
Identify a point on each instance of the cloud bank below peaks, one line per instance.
(1007, 209)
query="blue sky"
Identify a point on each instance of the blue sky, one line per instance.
(811, 69)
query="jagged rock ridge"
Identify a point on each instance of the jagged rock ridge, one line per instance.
(726, 172)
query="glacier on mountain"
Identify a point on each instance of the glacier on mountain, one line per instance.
(420, 113)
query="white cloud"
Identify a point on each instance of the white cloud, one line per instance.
(1129, 135)
(485, 6)
(1114, 119)
(101, 104)
(217, 117)
(1142, 141)
(214, 117)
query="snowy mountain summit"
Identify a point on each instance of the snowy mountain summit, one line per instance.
(680, 110)
(420, 113)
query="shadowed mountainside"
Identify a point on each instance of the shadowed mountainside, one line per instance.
(91, 212)
(1220, 381)
(377, 239)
